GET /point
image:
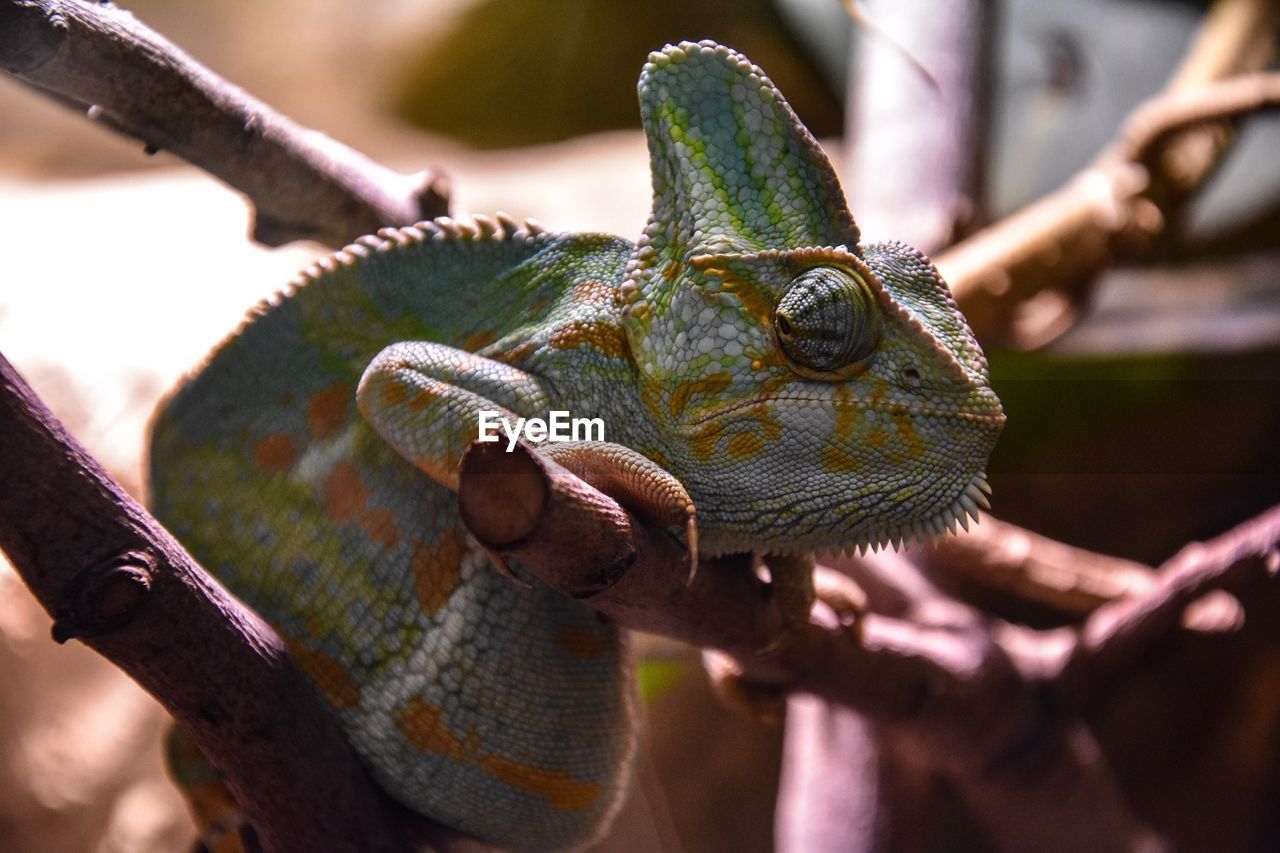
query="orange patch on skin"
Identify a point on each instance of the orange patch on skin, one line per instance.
(422, 398)
(276, 452)
(327, 410)
(877, 437)
(381, 526)
(561, 791)
(593, 290)
(394, 393)
(478, 340)
(705, 385)
(518, 354)
(744, 445)
(437, 570)
(423, 724)
(605, 337)
(345, 494)
(329, 675)
(579, 642)
(837, 459)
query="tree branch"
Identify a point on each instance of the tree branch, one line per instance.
(994, 710)
(302, 184)
(112, 577)
(1116, 208)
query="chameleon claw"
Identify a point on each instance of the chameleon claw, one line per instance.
(500, 564)
(691, 536)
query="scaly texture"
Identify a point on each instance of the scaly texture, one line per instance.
(801, 390)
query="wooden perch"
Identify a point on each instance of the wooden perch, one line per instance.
(112, 577)
(1118, 207)
(979, 704)
(303, 185)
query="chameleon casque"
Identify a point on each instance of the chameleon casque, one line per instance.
(806, 390)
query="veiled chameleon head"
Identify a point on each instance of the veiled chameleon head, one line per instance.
(810, 391)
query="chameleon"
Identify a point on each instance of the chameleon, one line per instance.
(803, 390)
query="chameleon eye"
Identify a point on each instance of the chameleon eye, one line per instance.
(826, 319)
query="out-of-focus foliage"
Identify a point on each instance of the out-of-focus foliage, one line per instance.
(518, 73)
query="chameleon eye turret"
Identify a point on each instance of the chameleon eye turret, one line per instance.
(827, 319)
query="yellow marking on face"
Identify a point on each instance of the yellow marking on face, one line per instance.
(907, 432)
(702, 386)
(579, 642)
(276, 452)
(770, 426)
(340, 686)
(478, 340)
(836, 458)
(755, 301)
(327, 410)
(744, 445)
(437, 570)
(605, 337)
(703, 442)
(846, 413)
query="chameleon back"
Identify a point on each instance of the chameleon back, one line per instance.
(501, 711)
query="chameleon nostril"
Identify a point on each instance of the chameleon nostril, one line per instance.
(911, 376)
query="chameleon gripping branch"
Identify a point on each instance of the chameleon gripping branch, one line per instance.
(114, 578)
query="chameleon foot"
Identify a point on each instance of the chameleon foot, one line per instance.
(758, 701)
(791, 582)
(222, 825)
(842, 595)
(635, 481)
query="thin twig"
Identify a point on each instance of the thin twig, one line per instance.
(302, 184)
(1118, 206)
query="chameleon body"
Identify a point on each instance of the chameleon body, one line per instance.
(806, 390)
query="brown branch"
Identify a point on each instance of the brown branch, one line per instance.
(1118, 634)
(1001, 722)
(112, 577)
(1118, 206)
(302, 184)
(1003, 556)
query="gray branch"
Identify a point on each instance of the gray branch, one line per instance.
(302, 184)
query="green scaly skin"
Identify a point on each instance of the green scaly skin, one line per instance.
(807, 392)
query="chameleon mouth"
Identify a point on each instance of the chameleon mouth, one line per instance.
(927, 530)
(993, 415)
